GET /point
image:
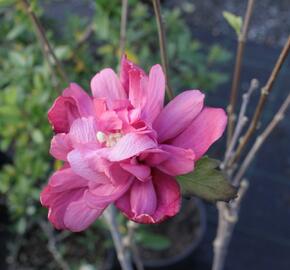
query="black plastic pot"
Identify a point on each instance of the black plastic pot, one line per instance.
(179, 260)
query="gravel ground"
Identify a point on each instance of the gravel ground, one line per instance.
(270, 21)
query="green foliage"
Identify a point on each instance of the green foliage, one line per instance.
(234, 21)
(207, 182)
(151, 240)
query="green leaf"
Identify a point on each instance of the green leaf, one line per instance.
(207, 182)
(15, 32)
(152, 241)
(4, 3)
(234, 21)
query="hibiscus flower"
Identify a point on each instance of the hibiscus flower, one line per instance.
(123, 146)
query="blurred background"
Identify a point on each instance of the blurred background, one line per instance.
(201, 48)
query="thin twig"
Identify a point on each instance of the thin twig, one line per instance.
(237, 70)
(265, 91)
(242, 119)
(132, 245)
(86, 35)
(46, 228)
(43, 39)
(261, 139)
(162, 44)
(122, 252)
(123, 26)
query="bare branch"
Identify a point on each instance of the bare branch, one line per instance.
(237, 70)
(242, 119)
(46, 228)
(122, 253)
(86, 35)
(162, 43)
(132, 226)
(261, 139)
(228, 217)
(123, 26)
(263, 97)
(43, 40)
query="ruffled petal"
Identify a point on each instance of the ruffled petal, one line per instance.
(137, 88)
(86, 162)
(103, 194)
(60, 146)
(180, 161)
(154, 94)
(168, 200)
(205, 129)
(126, 67)
(143, 199)
(61, 181)
(73, 103)
(178, 114)
(106, 84)
(109, 121)
(83, 100)
(59, 205)
(140, 171)
(168, 196)
(79, 216)
(154, 157)
(130, 145)
(83, 130)
(64, 188)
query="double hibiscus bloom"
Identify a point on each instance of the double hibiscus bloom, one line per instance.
(123, 146)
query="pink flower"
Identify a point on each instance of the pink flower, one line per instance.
(121, 146)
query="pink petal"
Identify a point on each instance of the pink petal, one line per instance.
(73, 104)
(180, 161)
(126, 67)
(117, 174)
(143, 199)
(155, 94)
(109, 121)
(103, 194)
(64, 187)
(130, 145)
(100, 106)
(168, 200)
(205, 129)
(83, 130)
(79, 216)
(86, 162)
(59, 205)
(64, 180)
(178, 114)
(106, 84)
(154, 157)
(82, 99)
(137, 88)
(168, 195)
(60, 146)
(142, 172)
(120, 104)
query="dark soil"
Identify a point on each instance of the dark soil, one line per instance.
(34, 253)
(183, 230)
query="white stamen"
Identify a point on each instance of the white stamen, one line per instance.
(113, 138)
(110, 140)
(101, 136)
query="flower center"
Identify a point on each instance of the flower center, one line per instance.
(108, 139)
